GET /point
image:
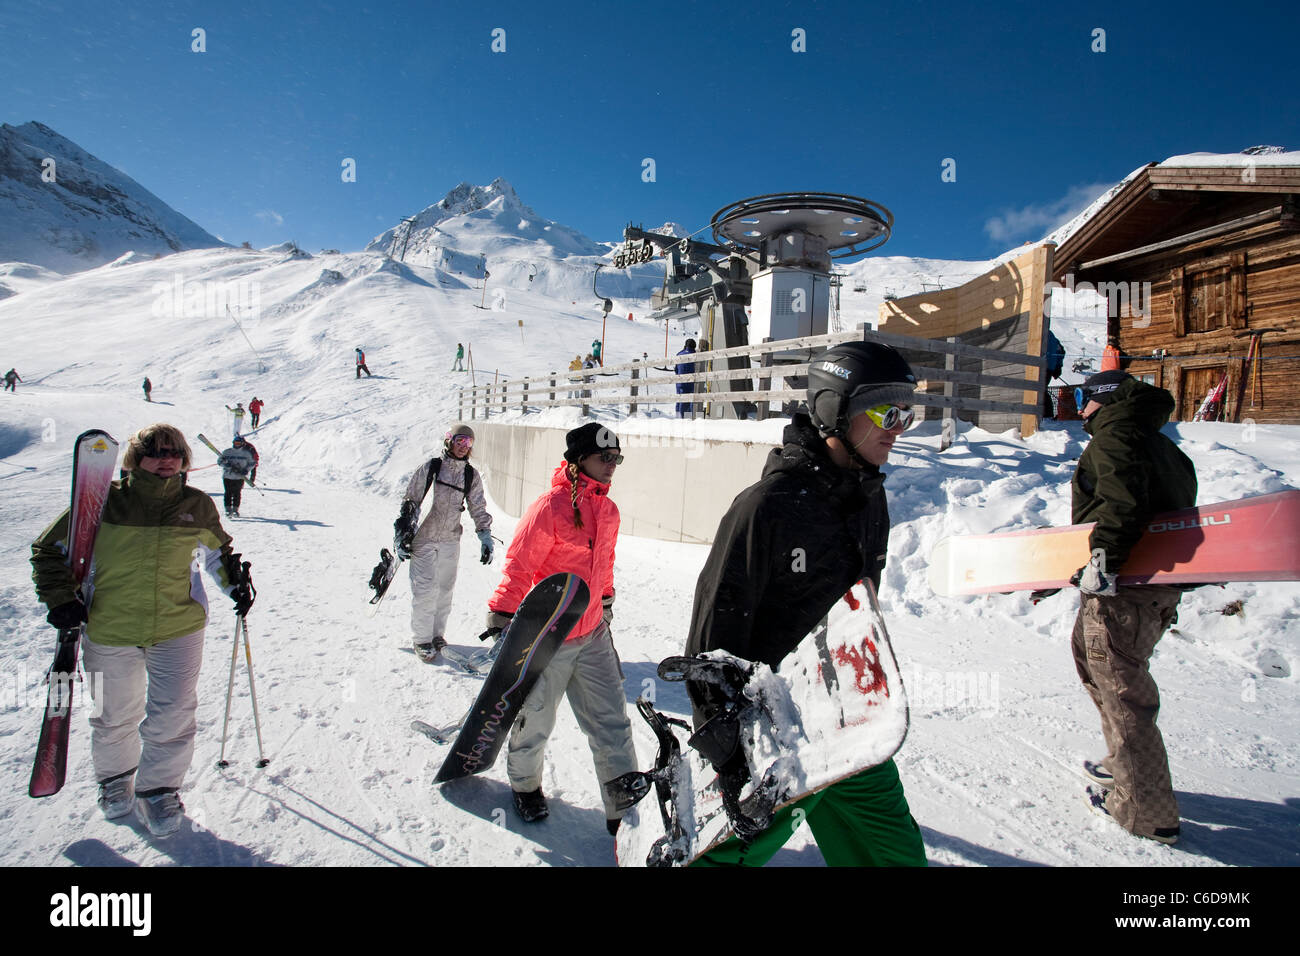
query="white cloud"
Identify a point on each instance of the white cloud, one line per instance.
(1037, 220)
(271, 216)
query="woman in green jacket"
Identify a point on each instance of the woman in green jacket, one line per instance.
(145, 623)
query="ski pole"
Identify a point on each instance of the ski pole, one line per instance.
(230, 689)
(262, 760)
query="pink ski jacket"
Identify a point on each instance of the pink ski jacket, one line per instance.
(546, 542)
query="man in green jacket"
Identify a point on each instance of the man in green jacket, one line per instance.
(145, 624)
(1128, 472)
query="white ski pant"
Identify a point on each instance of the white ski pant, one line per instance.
(147, 700)
(433, 578)
(587, 670)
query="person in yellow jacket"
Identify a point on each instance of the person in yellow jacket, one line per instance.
(144, 623)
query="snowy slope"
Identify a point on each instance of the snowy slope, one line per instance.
(62, 208)
(999, 723)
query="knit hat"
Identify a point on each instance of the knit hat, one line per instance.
(590, 439)
(1100, 388)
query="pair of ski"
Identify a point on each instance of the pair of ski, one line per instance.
(94, 461)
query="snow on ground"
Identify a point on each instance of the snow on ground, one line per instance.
(999, 723)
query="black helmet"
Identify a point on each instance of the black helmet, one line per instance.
(851, 377)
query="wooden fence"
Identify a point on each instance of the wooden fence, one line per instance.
(638, 384)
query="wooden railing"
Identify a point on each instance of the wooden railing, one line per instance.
(635, 384)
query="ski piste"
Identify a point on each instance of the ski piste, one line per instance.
(260, 426)
(835, 707)
(544, 619)
(1249, 539)
(93, 464)
(217, 452)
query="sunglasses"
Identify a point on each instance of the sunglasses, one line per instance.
(610, 457)
(165, 453)
(463, 440)
(890, 417)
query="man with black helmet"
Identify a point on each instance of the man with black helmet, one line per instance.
(1128, 472)
(685, 388)
(789, 547)
(433, 547)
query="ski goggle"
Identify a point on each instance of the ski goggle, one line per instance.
(890, 417)
(465, 441)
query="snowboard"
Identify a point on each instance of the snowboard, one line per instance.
(1249, 539)
(93, 467)
(834, 707)
(546, 616)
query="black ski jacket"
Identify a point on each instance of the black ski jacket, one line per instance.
(787, 549)
(1129, 471)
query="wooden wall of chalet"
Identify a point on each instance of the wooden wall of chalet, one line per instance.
(1207, 299)
(1001, 309)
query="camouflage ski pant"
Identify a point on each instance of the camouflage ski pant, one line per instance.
(1113, 640)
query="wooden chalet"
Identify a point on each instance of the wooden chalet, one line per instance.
(1202, 266)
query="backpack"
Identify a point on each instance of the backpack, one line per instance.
(435, 465)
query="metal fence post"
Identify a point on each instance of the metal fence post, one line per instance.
(632, 406)
(765, 384)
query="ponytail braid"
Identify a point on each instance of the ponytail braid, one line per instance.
(573, 473)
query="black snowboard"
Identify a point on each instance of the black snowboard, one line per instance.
(544, 619)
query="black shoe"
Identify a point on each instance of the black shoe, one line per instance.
(531, 807)
(427, 652)
(613, 825)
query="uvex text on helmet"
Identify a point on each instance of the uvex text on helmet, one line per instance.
(849, 378)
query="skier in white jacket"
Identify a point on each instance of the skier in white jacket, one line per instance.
(433, 546)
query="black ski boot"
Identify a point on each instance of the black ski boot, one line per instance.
(531, 806)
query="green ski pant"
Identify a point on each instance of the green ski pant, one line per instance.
(863, 820)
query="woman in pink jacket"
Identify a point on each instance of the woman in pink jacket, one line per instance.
(572, 528)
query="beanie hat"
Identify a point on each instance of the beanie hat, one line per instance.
(1100, 388)
(590, 439)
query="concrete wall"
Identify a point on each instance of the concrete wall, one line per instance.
(670, 490)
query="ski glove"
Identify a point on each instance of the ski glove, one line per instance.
(404, 530)
(607, 609)
(67, 615)
(497, 621)
(485, 539)
(1092, 579)
(243, 597)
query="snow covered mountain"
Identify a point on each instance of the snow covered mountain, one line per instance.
(477, 227)
(66, 210)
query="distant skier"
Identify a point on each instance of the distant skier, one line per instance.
(237, 463)
(596, 345)
(361, 363)
(575, 366)
(433, 546)
(1127, 473)
(148, 389)
(822, 500)
(685, 388)
(145, 626)
(459, 364)
(237, 415)
(571, 528)
(255, 410)
(11, 377)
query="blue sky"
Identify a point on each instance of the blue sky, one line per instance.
(249, 137)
